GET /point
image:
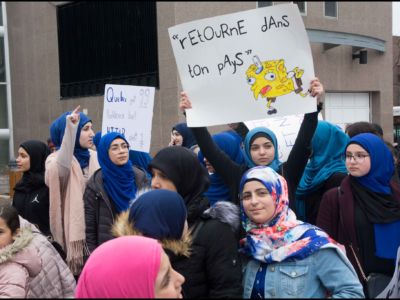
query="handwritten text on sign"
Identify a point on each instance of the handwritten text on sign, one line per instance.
(129, 111)
(286, 130)
(245, 66)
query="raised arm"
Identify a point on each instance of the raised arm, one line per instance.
(230, 171)
(66, 152)
(301, 151)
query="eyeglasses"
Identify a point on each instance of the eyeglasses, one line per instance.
(358, 157)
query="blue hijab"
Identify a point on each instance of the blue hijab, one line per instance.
(328, 145)
(137, 158)
(382, 211)
(96, 139)
(57, 130)
(140, 159)
(382, 164)
(119, 181)
(159, 214)
(218, 190)
(188, 137)
(275, 164)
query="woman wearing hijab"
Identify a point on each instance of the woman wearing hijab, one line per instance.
(110, 189)
(181, 135)
(261, 149)
(129, 267)
(138, 158)
(31, 197)
(364, 212)
(67, 171)
(218, 190)
(325, 170)
(159, 214)
(288, 258)
(214, 269)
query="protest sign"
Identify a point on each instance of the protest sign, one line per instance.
(245, 66)
(129, 110)
(285, 128)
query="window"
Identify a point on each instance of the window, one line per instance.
(330, 9)
(265, 3)
(106, 42)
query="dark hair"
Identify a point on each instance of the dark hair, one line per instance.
(360, 127)
(378, 129)
(10, 216)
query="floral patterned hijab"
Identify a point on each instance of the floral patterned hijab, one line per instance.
(284, 237)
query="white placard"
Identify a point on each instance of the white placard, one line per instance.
(232, 65)
(286, 130)
(129, 110)
(393, 288)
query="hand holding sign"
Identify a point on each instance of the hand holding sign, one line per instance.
(185, 102)
(246, 66)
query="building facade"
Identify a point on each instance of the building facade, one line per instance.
(355, 91)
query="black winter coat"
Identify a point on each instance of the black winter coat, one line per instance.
(100, 211)
(213, 269)
(313, 200)
(34, 207)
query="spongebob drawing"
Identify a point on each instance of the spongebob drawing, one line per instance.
(270, 80)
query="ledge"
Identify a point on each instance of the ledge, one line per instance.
(331, 39)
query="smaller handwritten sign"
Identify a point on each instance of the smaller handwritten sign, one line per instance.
(285, 128)
(129, 110)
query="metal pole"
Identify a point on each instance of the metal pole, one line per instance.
(8, 81)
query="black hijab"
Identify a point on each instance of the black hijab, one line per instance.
(33, 179)
(190, 178)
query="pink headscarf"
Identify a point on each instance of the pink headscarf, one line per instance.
(125, 267)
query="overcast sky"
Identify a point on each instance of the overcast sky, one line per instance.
(396, 18)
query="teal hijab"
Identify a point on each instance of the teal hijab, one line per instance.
(328, 145)
(269, 134)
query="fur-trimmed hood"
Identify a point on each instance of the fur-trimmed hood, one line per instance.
(226, 212)
(123, 227)
(22, 252)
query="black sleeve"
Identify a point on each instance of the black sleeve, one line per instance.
(230, 171)
(242, 130)
(297, 160)
(223, 267)
(90, 201)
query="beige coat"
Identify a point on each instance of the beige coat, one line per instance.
(67, 183)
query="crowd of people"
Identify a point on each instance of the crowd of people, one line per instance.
(207, 217)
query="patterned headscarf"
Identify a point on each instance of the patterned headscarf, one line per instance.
(284, 237)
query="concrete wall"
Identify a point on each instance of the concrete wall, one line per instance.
(396, 70)
(34, 64)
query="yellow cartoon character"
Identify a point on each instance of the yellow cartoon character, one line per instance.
(270, 79)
